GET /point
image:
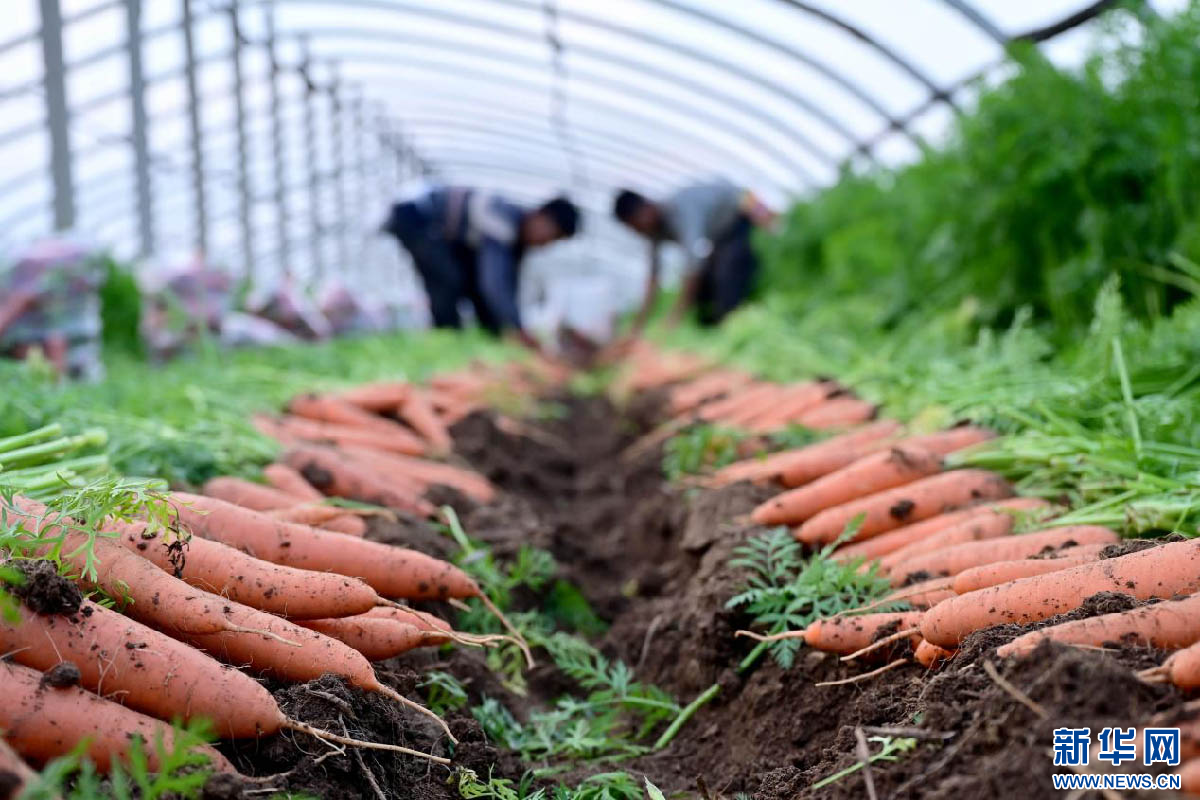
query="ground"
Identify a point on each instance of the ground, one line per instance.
(653, 560)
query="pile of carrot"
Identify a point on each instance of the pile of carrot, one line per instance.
(247, 579)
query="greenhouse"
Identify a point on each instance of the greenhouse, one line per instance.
(649, 399)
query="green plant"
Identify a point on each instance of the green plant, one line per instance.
(700, 448)
(891, 748)
(443, 692)
(786, 592)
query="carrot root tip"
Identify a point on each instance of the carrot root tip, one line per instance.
(388, 691)
(326, 736)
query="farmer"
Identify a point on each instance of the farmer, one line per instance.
(712, 222)
(467, 244)
(50, 302)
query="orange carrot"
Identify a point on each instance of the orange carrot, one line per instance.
(288, 430)
(977, 523)
(42, 723)
(1183, 667)
(376, 638)
(418, 412)
(1190, 776)
(881, 547)
(15, 775)
(337, 473)
(832, 454)
(943, 443)
(318, 515)
(955, 559)
(985, 575)
(422, 621)
(752, 407)
(839, 412)
(286, 479)
(715, 384)
(870, 474)
(768, 467)
(399, 468)
(330, 409)
(1169, 625)
(903, 505)
(247, 494)
(349, 524)
(847, 634)
(228, 572)
(922, 595)
(391, 571)
(797, 401)
(931, 656)
(747, 395)
(377, 398)
(1159, 572)
(153, 596)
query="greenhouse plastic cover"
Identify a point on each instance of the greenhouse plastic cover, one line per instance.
(531, 97)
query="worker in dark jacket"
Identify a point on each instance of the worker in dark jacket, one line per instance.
(467, 244)
(712, 223)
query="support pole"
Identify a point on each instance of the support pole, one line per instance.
(199, 193)
(314, 167)
(337, 146)
(141, 147)
(245, 202)
(57, 121)
(278, 147)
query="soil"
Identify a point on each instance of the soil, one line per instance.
(653, 561)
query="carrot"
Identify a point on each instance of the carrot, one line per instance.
(746, 396)
(751, 407)
(228, 572)
(336, 473)
(398, 467)
(715, 384)
(417, 411)
(1190, 776)
(832, 454)
(887, 510)
(943, 443)
(846, 634)
(422, 621)
(376, 638)
(42, 723)
(391, 571)
(153, 596)
(247, 494)
(318, 515)
(330, 409)
(870, 474)
(800, 399)
(955, 559)
(881, 547)
(922, 595)
(289, 430)
(1159, 572)
(377, 398)
(286, 479)
(761, 469)
(1169, 625)
(977, 523)
(931, 656)
(15, 775)
(1183, 666)
(985, 575)
(840, 412)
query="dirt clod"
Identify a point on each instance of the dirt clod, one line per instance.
(44, 591)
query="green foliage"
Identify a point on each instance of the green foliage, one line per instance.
(700, 448)
(1053, 181)
(182, 772)
(891, 748)
(785, 592)
(443, 692)
(121, 313)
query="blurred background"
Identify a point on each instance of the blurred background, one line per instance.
(269, 137)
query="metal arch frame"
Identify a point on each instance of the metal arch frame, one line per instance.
(588, 76)
(651, 99)
(734, 157)
(978, 19)
(807, 106)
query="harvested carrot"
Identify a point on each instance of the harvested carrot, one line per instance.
(1169, 625)
(832, 454)
(985, 575)
(422, 621)
(231, 573)
(417, 411)
(286, 479)
(1190, 776)
(1182, 668)
(978, 523)
(922, 595)
(151, 595)
(289, 430)
(903, 505)
(747, 396)
(846, 634)
(391, 571)
(931, 656)
(378, 398)
(244, 493)
(1159, 572)
(318, 515)
(42, 723)
(797, 401)
(330, 409)
(880, 547)
(750, 409)
(874, 473)
(943, 443)
(400, 468)
(376, 638)
(715, 384)
(840, 412)
(15, 775)
(349, 524)
(955, 559)
(336, 473)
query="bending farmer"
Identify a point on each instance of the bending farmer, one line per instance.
(712, 223)
(467, 244)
